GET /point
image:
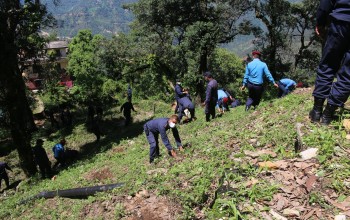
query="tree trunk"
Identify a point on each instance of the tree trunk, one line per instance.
(203, 66)
(13, 88)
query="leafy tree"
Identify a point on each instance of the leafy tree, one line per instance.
(304, 21)
(86, 66)
(276, 16)
(19, 25)
(193, 29)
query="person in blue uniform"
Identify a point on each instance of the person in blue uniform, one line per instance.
(254, 79)
(41, 159)
(157, 127)
(211, 96)
(285, 86)
(224, 99)
(126, 109)
(59, 153)
(3, 174)
(186, 103)
(179, 93)
(335, 61)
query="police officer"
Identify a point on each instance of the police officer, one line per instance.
(254, 79)
(41, 159)
(126, 109)
(335, 60)
(186, 103)
(211, 96)
(224, 99)
(285, 86)
(3, 174)
(179, 93)
(160, 126)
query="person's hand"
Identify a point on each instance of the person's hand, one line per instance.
(275, 85)
(203, 104)
(181, 148)
(242, 88)
(320, 31)
(173, 154)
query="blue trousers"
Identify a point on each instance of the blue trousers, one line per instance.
(152, 139)
(255, 93)
(210, 109)
(335, 61)
(282, 91)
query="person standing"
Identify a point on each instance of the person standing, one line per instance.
(58, 151)
(211, 96)
(179, 93)
(160, 126)
(41, 159)
(3, 174)
(335, 60)
(126, 109)
(285, 86)
(254, 79)
(129, 93)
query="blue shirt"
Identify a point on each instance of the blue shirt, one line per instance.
(160, 126)
(58, 150)
(338, 9)
(221, 94)
(255, 71)
(212, 91)
(288, 83)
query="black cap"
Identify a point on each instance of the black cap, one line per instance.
(207, 74)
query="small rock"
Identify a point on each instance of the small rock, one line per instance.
(129, 197)
(340, 217)
(268, 164)
(309, 153)
(253, 141)
(348, 137)
(159, 170)
(346, 124)
(291, 213)
(276, 215)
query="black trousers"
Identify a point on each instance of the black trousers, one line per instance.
(255, 94)
(5, 177)
(210, 110)
(45, 169)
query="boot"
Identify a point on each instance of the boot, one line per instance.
(328, 114)
(247, 108)
(316, 112)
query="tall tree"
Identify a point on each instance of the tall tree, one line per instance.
(304, 22)
(19, 24)
(193, 28)
(276, 16)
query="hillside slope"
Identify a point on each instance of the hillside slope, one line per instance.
(105, 17)
(218, 175)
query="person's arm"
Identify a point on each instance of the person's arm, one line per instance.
(178, 91)
(121, 108)
(322, 14)
(177, 137)
(245, 78)
(132, 107)
(291, 83)
(269, 76)
(165, 138)
(208, 94)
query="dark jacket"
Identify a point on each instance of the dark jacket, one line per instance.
(212, 91)
(160, 126)
(4, 167)
(40, 155)
(185, 102)
(338, 9)
(127, 107)
(178, 92)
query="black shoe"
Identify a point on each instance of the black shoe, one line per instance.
(328, 114)
(316, 112)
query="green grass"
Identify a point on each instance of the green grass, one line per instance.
(192, 180)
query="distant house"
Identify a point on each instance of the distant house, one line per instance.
(54, 51)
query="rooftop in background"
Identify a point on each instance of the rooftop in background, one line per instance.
(57, 44)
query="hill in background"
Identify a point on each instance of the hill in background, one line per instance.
(106, 17)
